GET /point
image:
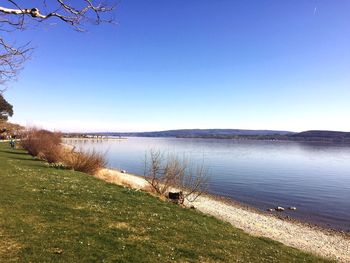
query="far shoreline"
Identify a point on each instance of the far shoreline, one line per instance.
(243, 139)
(94, 139)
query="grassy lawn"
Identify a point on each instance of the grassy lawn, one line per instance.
(49, 215)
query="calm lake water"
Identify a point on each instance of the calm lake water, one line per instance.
(313, 177)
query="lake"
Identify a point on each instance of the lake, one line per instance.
(313, 177)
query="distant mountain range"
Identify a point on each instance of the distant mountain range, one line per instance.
(326, 136)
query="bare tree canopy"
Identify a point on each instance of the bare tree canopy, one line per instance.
(18, 14)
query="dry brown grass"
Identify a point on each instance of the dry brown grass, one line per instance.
(124, 179)
(87, 162)
(8, 248)
(119, 225)
(113, 179)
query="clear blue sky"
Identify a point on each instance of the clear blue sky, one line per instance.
(192, 64)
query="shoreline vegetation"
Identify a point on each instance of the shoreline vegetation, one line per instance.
(52, 214)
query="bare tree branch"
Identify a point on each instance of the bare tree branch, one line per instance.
(14, 15)
(11, 60)
(72, 12)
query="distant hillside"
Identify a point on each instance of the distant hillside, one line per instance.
(203, 133)
(322, 136)
(317, 136)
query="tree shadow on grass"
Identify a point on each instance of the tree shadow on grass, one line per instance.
(14, 152)
(19, 155)
(25, 159)
(31, 162)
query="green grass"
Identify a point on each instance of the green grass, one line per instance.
(52, 215)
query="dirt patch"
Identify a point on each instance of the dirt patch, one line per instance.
(8, 248)
(121, 225)
(137, 238)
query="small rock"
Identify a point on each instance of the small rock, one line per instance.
(58, 251)
(292, 208)
(270, 209)
(279, 208)
(123, 171)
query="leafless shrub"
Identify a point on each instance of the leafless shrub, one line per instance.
(43, 144)
(47, 146)
(194, 182)
(164, 172)
(87, 162)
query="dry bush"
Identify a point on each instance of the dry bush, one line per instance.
(86, 162)
(163, 172)
(47, 146)
(43, 144)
